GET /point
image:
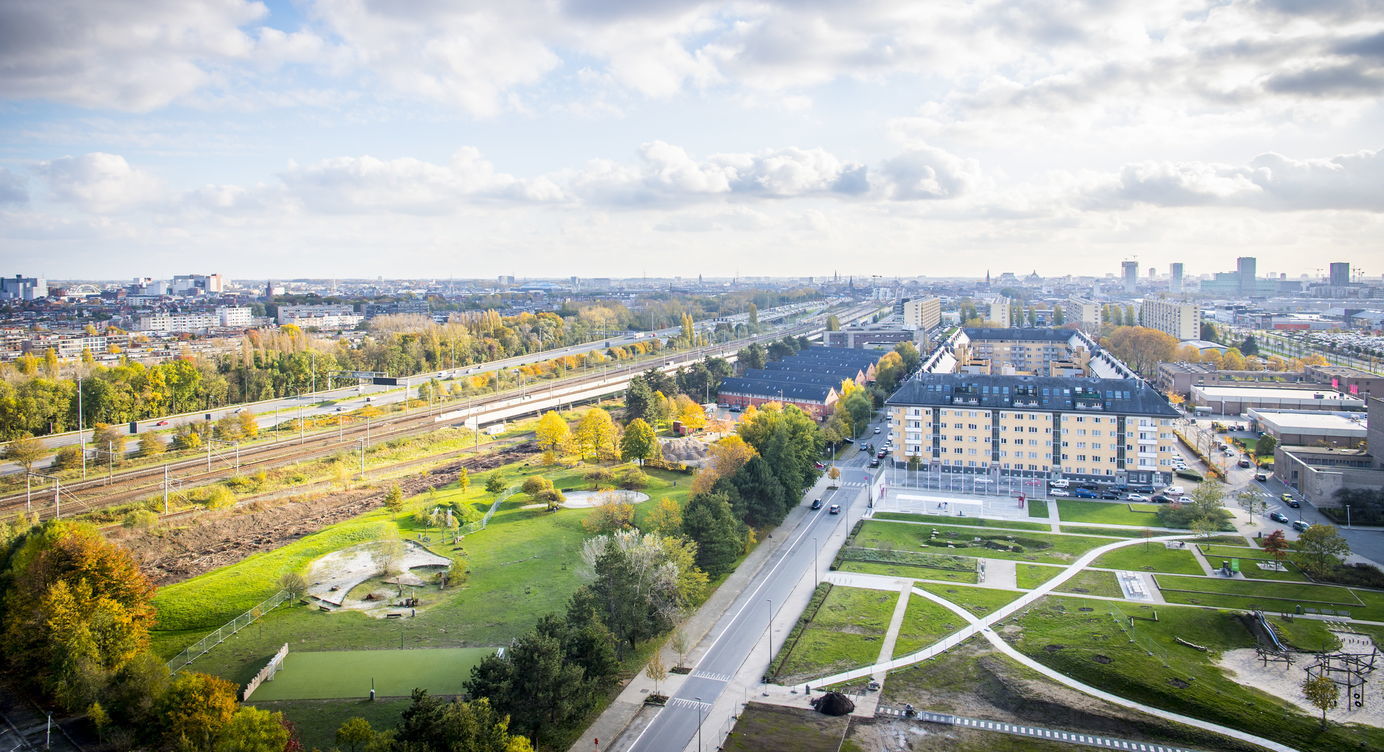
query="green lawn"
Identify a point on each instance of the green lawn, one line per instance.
(1250, 568)
(1040, 547)
(351, 673)
(1279, 590)
(1144, 662)
(963, 521)
(1037, 508)
(1214, 551)
(846, 632)
(1108, 512)
(1030, 576)
(1153, 557)
(908, 570)
(978, 600)
(924, 623)
(1110, 532)
(1093, 582)
(318, 720)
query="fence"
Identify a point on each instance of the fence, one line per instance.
(265, 674)
(199, 648)
(476, 527)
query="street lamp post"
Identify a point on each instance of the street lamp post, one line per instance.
(699, 724)
(814, 562)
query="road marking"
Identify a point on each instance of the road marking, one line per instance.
(711, 676)
(1034, 731)
(679, 702)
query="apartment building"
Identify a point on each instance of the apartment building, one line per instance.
(1001, 310)
(922, 314)
(227, 317)
(1020, 351)
(1180, 319)
(1083, 312)
(320, 316)
(1117, 431)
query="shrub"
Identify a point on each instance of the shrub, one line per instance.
(142, 519)
(631, 478)
(599, 477)
(535, 484)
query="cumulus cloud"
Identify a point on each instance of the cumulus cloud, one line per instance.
(100, 182)
(1270, 182)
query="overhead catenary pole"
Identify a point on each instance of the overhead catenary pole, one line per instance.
(81, 425)
(165, 488)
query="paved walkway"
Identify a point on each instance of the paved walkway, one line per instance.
(1001, 573)
(1036, 732)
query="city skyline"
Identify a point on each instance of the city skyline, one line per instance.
(341, 139)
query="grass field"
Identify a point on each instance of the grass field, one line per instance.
(1280, 590)
(768, 727)
(979, 601)
(1108, 512)
(964, 521)
(1212, 550)
(924, 623)
(1093, 582)
(1037, 508)
(1155, 557)
(1109, 532)
(846, 632)
(1030, 576)
(1250, 568)
(349, 673)
(318, 720)
(908, 570)
(1040, 547)
(1144, 662)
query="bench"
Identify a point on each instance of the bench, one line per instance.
(393, 616)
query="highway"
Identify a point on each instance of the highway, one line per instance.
(738, 641)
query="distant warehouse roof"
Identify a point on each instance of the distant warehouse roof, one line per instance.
(797, 377)
(785, 390)
(1311, 423)
(840, 371)
(1061, 393)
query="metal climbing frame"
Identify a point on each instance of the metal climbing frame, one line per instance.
(1347, 670)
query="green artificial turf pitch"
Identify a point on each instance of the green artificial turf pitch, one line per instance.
(347, 673)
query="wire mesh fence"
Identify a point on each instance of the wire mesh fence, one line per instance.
(198, 649)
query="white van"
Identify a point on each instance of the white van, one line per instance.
(1174, 491)
(1059, 483)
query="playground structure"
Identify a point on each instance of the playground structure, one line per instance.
(1348, 667)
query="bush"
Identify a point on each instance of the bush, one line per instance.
(212, 497)
(67, 458)
(535, 484)
(631, 478)
(1355, 575)
(599, 477)
(142, 519)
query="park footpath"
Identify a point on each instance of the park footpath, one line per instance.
(627, 714)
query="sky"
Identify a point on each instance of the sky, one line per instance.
(546, 138)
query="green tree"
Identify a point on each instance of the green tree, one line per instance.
(152, 445)
(710, 522)
(24, 451)
(355, 734)
(295, 584)
(67, 458)
(665, 518)
(394, 499)
(596, 436)
(108, 442)
(463, 480)
(1319, 550)
(495, 484)
(253, 730)
(194, 709)
(833, 323)
(1322, 693)
(910, 355)
(1265, 446)
(639, 442)
(1059, 316)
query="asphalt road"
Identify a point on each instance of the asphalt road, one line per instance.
(740, 635)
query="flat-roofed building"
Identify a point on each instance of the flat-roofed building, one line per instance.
(1107, 430)
(1083, 312)
(1237, 400)
(1178, 318)
(1001, 311)
(1311, 427)
(922, 314)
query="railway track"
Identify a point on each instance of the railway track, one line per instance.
(132, 485)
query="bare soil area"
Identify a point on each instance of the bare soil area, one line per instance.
(206, 540)
(1285, 681)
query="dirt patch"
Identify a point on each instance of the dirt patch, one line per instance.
(1086, 608)
(1053, 648)
(1179, 683)
(1282, 680)
(767, 728)
(1102, 659)
(207, 540)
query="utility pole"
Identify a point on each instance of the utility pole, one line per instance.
(165, 488)
(110, 462)
(362, 459)
(57, 498)
(81, 426)
(28, 494)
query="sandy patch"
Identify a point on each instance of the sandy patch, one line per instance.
(589, 499)
(333, 576)
(1285, 681)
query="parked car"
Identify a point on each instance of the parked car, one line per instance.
(1278, 517)
(849, 440)
(1085, 493)
(1262, 477)
(1164, 498)
(1244, 462)
(1288, 499)
(1057, 492)
(816, 503)
(876, 429)
(1174, 490)
(819, 465)
(835, 509)
(1301, 525)
(1059, 483)
(1110, 495)
(1136, 497)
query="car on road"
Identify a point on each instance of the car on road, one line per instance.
(1301, 525)
(1278, 517)
(876, 429)
(874, 463)
(1059, 483)
(1110, 495)
(1058, 492)
(1085, 493)
(1174, 490)
(881, 454)
(835, 509)
(1244, 462)
(1288, 499)
(816, 503)
(1136, 497)
(162, 423)
(1262, 477)
(819, 465)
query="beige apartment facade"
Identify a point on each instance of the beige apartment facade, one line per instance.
(1084, 313)
(922, 314)
(1180, 319)
(1115, 431)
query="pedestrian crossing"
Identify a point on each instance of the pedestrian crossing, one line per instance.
(712, 676)
(1069, 737)
(679, 702)
(853, 484)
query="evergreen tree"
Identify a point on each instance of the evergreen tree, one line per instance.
(709, 521)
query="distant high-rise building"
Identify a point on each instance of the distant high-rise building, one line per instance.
(197, 284)
(921, 314)
(23, 288)
(1129, 272)
(1001, 311)
(1083, 312)
(1245, 268)
(1340, 273)
(1182, 320)
(1175, 277)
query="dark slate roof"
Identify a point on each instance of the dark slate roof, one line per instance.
(840, 370)
(776, 389)
(797, 377)
(1022, 334)
(1064, 393)
(849, 353)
